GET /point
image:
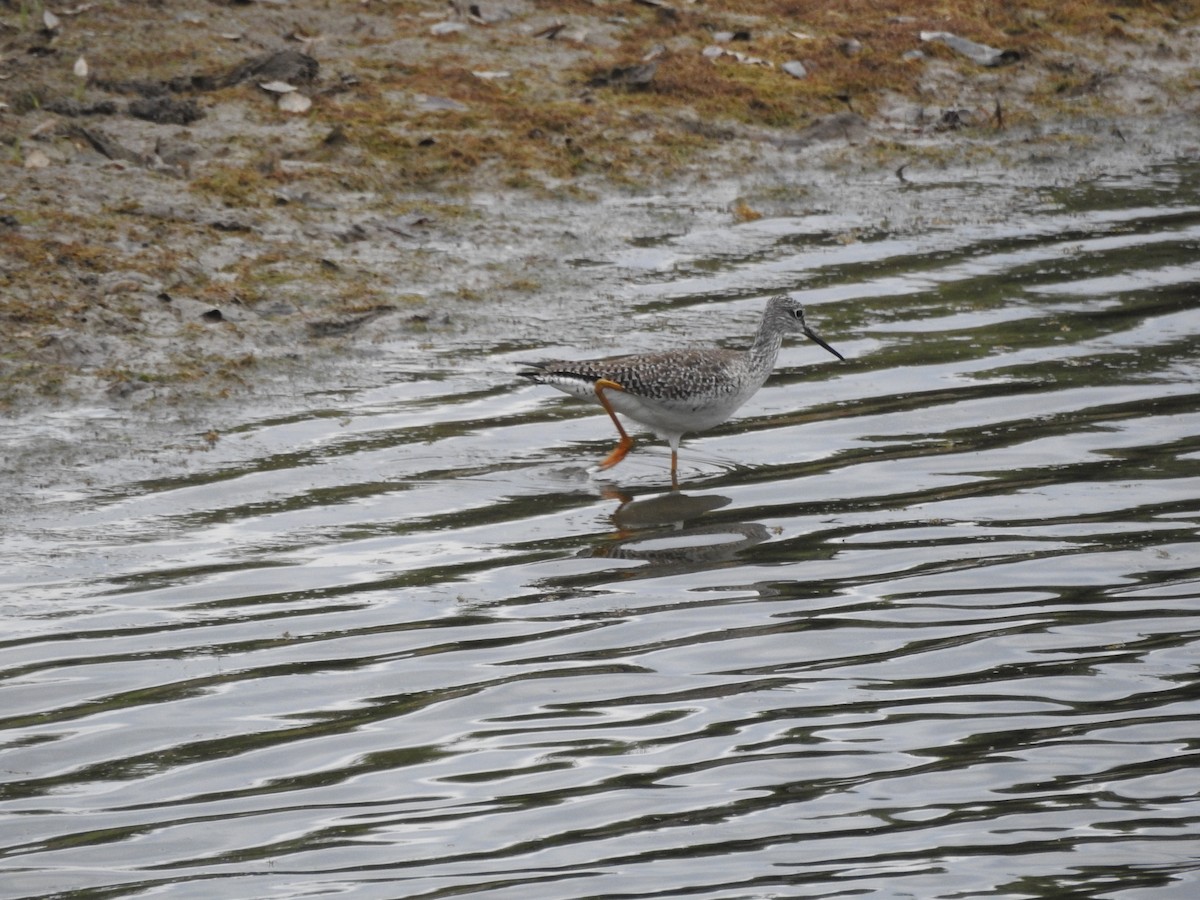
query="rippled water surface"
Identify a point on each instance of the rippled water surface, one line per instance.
(922, 623)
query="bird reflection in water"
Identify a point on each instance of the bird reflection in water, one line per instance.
(659, 531)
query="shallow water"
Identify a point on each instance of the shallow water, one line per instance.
(921, 623)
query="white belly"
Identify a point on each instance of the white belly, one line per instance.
(675, 418)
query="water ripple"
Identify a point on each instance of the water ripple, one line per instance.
(922, 623)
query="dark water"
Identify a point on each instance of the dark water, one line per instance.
(925, 623)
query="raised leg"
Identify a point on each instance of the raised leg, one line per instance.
(625, 444)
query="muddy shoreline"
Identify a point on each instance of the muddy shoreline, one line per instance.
(170, 264)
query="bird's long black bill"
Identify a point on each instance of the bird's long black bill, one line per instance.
(817, 339)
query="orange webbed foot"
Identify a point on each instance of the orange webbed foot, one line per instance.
(618, 453)
(625, 444)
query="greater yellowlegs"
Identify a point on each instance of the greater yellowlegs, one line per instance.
(679, 391)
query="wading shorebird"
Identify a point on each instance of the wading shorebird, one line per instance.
(677, 392)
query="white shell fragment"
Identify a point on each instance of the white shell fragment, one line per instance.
(36, 159)
(748, 59)
(295, 102)
(278, 87)
(81, 68)
(714, 52)
(50, 20)
(795, 68)
(977, 53)
(447, 27)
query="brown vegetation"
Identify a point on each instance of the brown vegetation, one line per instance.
(101, 212)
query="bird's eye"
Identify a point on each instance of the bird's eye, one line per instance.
(798, 313)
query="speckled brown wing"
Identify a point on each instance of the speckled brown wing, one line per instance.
(672, 375)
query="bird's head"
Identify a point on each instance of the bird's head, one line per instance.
(788, 315)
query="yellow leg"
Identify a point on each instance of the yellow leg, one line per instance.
(626, 442)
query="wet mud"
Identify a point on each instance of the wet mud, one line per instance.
(207, 207)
